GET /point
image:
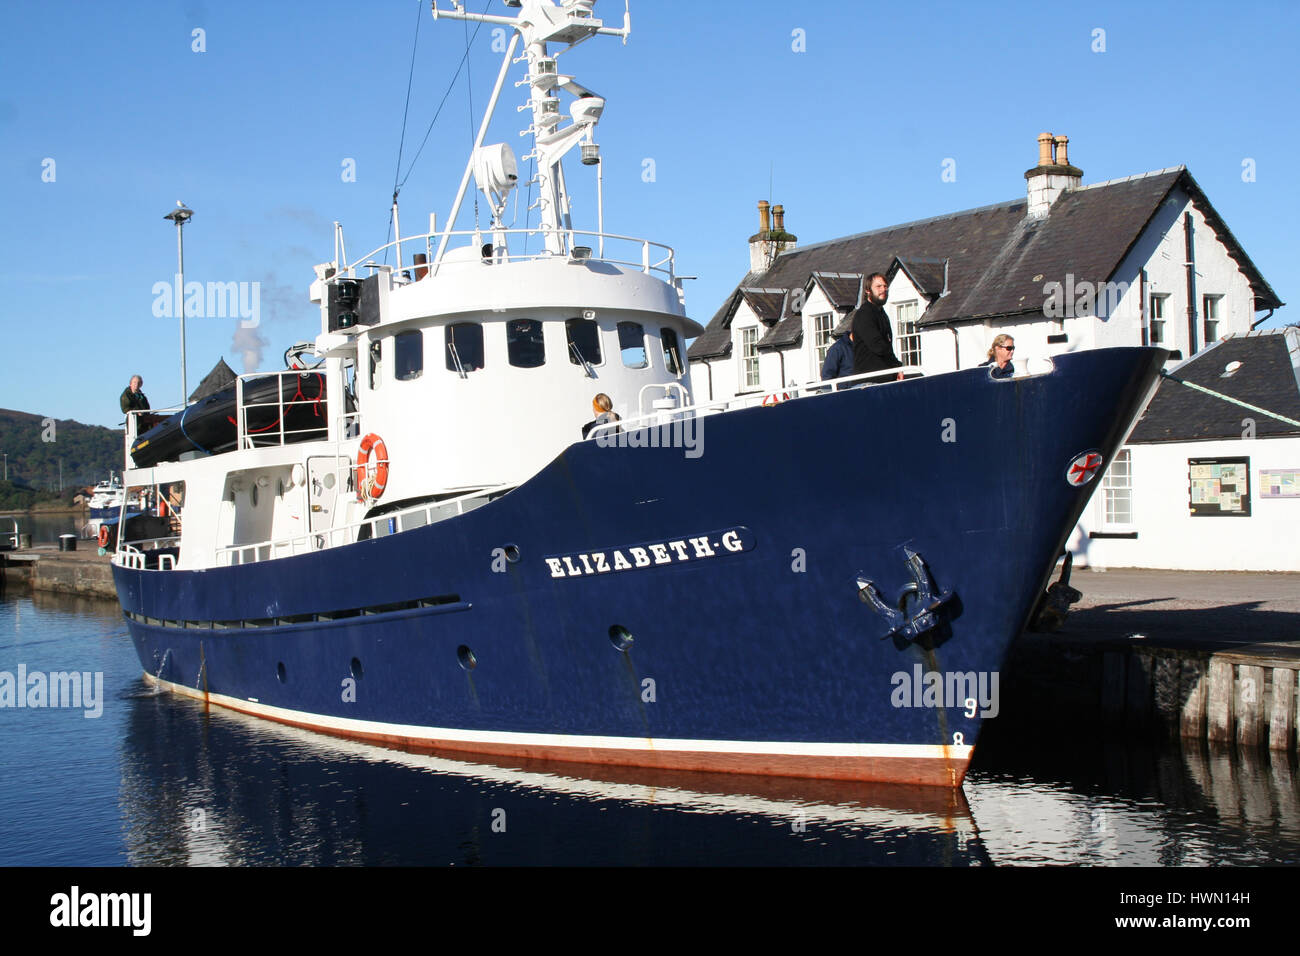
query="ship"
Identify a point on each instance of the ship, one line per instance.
(421, 543)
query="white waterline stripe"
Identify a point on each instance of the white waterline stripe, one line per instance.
(787, 748)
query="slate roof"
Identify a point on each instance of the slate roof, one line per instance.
(998, 260)
(842, 289)
(768, 304)
(1269, 378)
(926, 273)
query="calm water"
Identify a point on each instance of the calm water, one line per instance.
(44, 528)
(155, 780)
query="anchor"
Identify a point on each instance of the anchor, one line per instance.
(917, 604)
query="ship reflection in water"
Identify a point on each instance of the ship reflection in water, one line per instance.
(220, 788)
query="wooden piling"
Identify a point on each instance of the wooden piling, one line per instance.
(1166, 686)
(1248, 705)
(1193, 681)
(1218, 701)
(1282, 709)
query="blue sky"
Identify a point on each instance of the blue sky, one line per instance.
(850, 133)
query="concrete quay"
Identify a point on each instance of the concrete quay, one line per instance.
(83, 572)
(1213, 656)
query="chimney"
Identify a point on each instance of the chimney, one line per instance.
(770, 240)
(1052, 176)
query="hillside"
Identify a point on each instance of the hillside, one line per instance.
(34, 450)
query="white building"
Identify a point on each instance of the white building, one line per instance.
(1202, 483)
(1133, 261)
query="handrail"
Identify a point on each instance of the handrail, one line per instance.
(665, 264)
(659, 417)
(334, 537)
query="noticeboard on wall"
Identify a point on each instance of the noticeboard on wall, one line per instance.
(1279, 482)
(1219, 487)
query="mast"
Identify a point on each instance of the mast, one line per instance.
(538, 24)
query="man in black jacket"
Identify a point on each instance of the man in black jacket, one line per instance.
(133, 399)
(873, 338)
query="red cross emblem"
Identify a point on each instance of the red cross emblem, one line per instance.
(1083, 468)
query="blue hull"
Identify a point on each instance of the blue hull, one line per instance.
(751, 649)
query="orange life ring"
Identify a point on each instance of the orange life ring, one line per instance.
(103, 536)
(372, 485)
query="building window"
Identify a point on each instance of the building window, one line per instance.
(908, 335)
(672, 351)
(631, 342)
(1117, 486)
(822, 341)
(584, 341)
(749, 358)
(524, 343)
(1158, 318)
(1210, 309)
(408, 355)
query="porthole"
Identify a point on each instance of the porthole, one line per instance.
(466, 657)
(356, 668)
(620, 637)
(512, 553)
(279, 671)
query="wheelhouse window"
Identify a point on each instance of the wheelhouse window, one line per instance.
(749, 357)
(408, 355)
(524, 343)
(631, 342)
(584, 341)
(672, 351)
(909, 336)
(376, 363)
(464, 346)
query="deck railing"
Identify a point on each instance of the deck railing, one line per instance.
(649, 257)
(407, 519)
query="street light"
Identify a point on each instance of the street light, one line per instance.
(180, 215)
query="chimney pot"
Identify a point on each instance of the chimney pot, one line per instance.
(764, 222)
(778, 214)
(1045, 141)
(1062, 145)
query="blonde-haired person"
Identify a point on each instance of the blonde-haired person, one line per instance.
(603, 408)
(1000, 354)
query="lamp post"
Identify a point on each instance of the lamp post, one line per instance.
(180, 215)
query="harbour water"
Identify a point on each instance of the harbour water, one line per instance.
(156, 780)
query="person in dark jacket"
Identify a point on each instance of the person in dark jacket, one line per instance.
(839, 358)
(873, 337)
(999, 360)
(133, 399)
